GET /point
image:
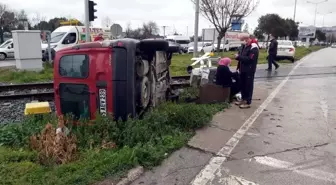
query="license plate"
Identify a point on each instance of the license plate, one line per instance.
(102, 102)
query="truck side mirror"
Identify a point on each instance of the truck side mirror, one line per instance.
(9, 47)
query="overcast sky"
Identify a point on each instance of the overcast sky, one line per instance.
(175, 14)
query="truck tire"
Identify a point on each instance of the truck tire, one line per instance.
(142, 67)
(3, 56)
(154, 45)
(144, 89)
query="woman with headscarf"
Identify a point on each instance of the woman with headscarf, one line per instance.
(226, 78)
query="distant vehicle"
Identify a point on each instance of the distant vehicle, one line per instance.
(286, 50)
(200, 47)
(230, 42)
(333, 45)
(67, 36)
(183, 41)
(7, 49)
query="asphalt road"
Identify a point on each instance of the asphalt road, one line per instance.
(293, 141)
(287, 137)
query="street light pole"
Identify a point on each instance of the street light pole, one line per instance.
(87, 21)
(295, 10)
(316, 3)
(324, 16)
(196, 27)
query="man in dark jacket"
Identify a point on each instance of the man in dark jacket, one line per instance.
(248, 60)
(272, 53)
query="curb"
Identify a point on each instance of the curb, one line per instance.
(132, 175)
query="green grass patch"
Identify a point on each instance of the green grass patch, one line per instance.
(181, 61)
(16, 76)
(143, 142)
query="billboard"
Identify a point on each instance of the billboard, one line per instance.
(211, 34)
(307, 32)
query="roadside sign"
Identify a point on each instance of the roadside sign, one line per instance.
(116, 30)
(307, 32)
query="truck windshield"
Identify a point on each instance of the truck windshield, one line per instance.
(56, 36)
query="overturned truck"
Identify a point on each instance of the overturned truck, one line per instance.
(121, 77)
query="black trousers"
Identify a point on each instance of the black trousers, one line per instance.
(271, 60)
(247, 85)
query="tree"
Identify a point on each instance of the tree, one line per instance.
(106, 22)
(272, 24)
(259, 34)
(3, 10)
(246, 28)
(150, 29)
(292, 30)
(221, 13)
(321, 36)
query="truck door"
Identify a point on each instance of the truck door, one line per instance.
(72, 86)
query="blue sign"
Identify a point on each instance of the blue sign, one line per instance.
(236, 26)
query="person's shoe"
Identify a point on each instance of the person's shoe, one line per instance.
(244, 106)
(240, 102)
(277, 67)
(268, 69)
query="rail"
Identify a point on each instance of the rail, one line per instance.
(8, 91)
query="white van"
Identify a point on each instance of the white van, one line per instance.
(183, 41)
(66, 36)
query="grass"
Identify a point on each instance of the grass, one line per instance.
(178, 67)
(180, 62)
(143, 142)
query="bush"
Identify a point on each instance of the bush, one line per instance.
(146, 142)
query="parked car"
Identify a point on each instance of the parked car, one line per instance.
(200, 44)
(286, 50)
(7, 49)
(333, 45)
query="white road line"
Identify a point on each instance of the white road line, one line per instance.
(208, 172)
(312, 173)
(234, 180)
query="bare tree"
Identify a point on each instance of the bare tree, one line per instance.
(37, 19)
(106, 21)
(221, 13)
(3, 9)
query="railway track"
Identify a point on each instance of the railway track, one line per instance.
(44, 91)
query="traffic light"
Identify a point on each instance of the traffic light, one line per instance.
(92, 11)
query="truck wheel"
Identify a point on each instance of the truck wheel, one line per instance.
(142, 67)
(154, 45)
(3, 56)
(225, 50)
(144, 92)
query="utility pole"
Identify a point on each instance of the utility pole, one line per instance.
(164, 31)
(316, 3)
(295, 10)
(87, 21)
(196, 28)
(89, 16)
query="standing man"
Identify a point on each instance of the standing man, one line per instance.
(248, 60)
(272, 53)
